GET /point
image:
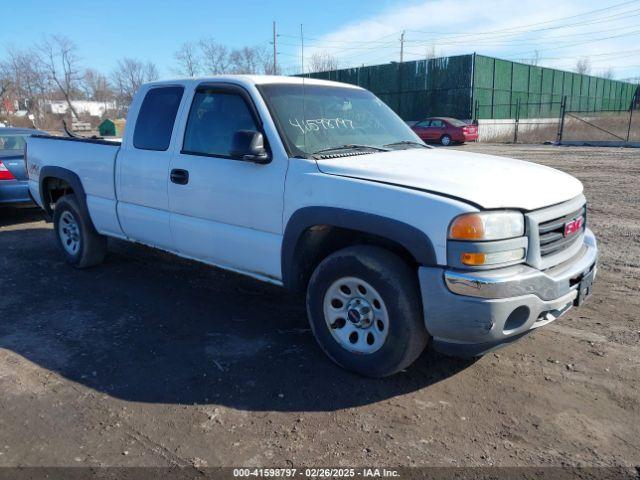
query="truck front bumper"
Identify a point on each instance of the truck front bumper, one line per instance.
(472, 313)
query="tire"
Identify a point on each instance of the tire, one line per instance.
(445, 140)
(80, 243)
(391, 335)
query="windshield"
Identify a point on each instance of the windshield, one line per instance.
(317, 117)
(12, 142)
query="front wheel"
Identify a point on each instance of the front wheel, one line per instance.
(365, 311)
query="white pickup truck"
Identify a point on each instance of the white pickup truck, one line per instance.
(319, 187)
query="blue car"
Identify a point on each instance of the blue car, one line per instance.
(14, 186)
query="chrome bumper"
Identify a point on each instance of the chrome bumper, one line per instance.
(471, 313)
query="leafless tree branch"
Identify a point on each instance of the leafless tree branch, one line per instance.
(322, 62)
(58, 56)
(187, 59)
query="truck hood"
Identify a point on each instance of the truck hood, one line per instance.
(485, 180)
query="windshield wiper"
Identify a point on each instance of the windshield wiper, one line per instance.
(407, 142)
(352, 146)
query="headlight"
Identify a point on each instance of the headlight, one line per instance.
(487, 226)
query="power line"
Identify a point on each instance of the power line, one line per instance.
(515, 41)
(521, 27)
(312, 39)
(636, 32)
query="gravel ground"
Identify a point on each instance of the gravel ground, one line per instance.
(151, 360)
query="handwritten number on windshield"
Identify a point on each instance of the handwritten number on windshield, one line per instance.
(318, 124)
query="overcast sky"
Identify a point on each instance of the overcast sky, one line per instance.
(356, 32)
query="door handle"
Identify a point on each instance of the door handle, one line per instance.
(179, 176)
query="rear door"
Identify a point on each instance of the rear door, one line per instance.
(142, 171)
(226, 211)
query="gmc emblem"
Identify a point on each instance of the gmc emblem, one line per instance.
(574, 226)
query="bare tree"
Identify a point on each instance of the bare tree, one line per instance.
(129, 75)
(187, 60)
(25, 79)
(5, 83)
(215, 57)
(607, 73)
(96, 86)
(535, 59)
(431, 52)
(251, 60)
(583, 66)
(58, 56)
(322, 62)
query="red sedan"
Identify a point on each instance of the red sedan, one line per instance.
(445, 130)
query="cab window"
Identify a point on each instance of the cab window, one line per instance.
(156, 118)
(213, 120)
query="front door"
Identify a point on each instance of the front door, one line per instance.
(422, 129)
(226, 211)
(436, 129)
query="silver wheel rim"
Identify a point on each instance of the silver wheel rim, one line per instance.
(356, 315)
(446, 140)
(69, 233)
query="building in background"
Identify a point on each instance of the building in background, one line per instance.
(82, 107)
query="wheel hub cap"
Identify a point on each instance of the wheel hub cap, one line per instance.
(356, 315)
(69, 233)
(360, 312)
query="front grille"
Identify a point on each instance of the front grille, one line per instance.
(551, 233)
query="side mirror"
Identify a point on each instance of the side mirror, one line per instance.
(248, 145)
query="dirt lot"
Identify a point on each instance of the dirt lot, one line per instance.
(153, 360)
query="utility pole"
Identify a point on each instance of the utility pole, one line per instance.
(401, 46)
(302, 49)
(275, 50)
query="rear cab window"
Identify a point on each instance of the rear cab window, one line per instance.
(157, 117)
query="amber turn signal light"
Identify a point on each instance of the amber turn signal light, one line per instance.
(467, 227)
(473, 259)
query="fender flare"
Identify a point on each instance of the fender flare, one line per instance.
(72, 179)
(415, 241)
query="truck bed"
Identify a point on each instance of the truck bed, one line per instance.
(93, 160)
(98, 141)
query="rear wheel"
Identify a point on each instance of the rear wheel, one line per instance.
(445, 140)
(81, 245)
(365, 311)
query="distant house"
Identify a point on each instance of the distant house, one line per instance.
(82, 107)
(8, 105)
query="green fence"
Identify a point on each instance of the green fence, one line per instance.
(499, 85)
(415, 90)
(477, 86)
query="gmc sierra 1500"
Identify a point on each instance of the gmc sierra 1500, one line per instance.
(320, 187)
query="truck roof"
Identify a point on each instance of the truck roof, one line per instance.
(254, 80)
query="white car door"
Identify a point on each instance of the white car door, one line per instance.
(225, 211)
(142, 172)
